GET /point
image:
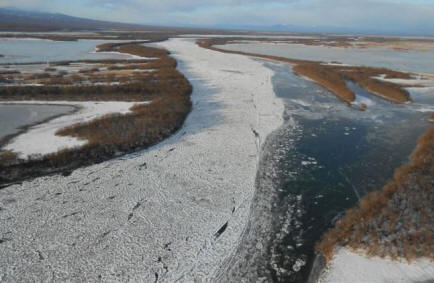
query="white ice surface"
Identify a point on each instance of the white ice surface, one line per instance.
(350, 267)
(155, 212)
(42, 138)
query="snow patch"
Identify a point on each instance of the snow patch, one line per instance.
(42, 138)
(174, 212)
(347, 266)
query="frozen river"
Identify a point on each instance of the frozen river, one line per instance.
(324, 158)
(411, 61)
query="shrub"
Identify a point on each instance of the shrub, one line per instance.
(333, 77)
(146, 125)
(397, 220)
(8, 157)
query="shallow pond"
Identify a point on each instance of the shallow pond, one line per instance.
(13, 117)
(411, 61)
(39, 50)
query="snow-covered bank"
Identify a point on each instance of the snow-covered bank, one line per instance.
(130, 56)
(425, 80)
(347, 266)
(42, 139)
(173, 212)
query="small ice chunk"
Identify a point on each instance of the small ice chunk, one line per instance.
(299, 263)
(308, 162)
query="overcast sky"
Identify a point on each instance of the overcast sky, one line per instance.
(404, 16)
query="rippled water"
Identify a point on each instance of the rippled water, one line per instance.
(411, 61)
(13, 116)
(36, 50)
(324, 158)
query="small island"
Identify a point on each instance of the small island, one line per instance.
(334, 77)
(132, 104)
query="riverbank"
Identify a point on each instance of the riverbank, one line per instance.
(26, 116)
(335, 76)
(43, 135)
(350, 182)
(393, 226)
(129, 106)
(173, 212)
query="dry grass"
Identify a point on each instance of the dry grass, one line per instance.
(166, 88)
(365, 77)
(396, 221)
(146, 125)
(333, 77)
(400, 44)
(7, 157)
(124, 84)
(333, 81)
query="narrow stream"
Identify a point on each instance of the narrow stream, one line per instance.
(324, 158)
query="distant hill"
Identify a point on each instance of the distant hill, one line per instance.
(12, 19)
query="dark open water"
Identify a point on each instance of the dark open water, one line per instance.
(318, 164)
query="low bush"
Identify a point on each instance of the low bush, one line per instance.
(332, 81)
(11, 72)
(8, 157)
(333, 77)
(396, 221)
(147, 124)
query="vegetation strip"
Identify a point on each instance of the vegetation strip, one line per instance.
(148, 36)
(396, 221)
(334, 77)
(167, 89)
